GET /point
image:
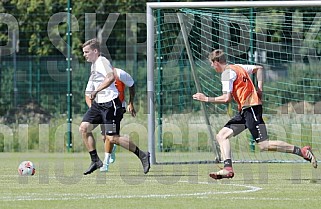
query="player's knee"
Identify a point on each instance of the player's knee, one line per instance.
(83, 128)
(114, 139)
(219, 138)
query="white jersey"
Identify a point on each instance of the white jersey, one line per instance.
(229, 76)
(99, 71)
(124, 77)
(127, 80)
(248, 68)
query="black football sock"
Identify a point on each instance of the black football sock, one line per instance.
(94, 156)
(227, 163)
(137, 152)
(297, 151)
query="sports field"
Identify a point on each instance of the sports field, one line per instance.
(59, 183)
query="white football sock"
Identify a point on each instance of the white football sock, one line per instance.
(107, 157)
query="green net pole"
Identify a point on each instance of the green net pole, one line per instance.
(159, 84)
(69, 71)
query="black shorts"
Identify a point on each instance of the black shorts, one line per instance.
(250, 118)
(103, 128)
(108, 114)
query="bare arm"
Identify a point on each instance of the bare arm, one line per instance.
(110, 78)
(130, 106)
(258, 70)
(88, 101)
(223, 99)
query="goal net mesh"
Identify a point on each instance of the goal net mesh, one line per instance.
(286, 42)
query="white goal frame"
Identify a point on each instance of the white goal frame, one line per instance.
(151, 39)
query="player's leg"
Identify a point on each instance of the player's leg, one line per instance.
(113, 154)
(113, 146)
(232, 128)
(86, 127)
(109, 150)
(256, 125)
(223, 138)
(110, 127)
(126, 143)
(109, 130)
(281, 146)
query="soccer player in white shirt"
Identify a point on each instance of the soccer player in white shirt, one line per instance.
(105, 108)
(122, 79)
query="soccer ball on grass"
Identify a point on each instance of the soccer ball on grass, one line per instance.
(26, 168)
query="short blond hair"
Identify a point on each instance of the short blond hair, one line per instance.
(93, 44)
(217, 55)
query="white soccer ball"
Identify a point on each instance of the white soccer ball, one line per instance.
(26, 168)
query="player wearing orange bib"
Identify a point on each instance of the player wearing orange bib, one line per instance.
(121, 89)
(122, 79)
(237, 84)
(243, 92)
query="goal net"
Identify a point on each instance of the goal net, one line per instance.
(284, 37)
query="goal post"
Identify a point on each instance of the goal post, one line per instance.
(215, 146)
(282, 36)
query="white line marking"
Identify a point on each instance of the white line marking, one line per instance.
(72, 196)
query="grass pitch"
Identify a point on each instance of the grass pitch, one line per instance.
(59, 183)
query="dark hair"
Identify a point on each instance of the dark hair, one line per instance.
(93, 43)
(217, 55)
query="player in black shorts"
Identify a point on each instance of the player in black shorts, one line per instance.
(237, 85)
(104, 108)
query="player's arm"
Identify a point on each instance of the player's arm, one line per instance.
(89, 88)
(228, 77)
(258, 70)
(88, 100)
(223, 99)
(130, 106)
(127, 79)
(109, 79)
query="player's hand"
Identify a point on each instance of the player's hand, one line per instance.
(200, 97)
(93, 95)
(131, 109)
